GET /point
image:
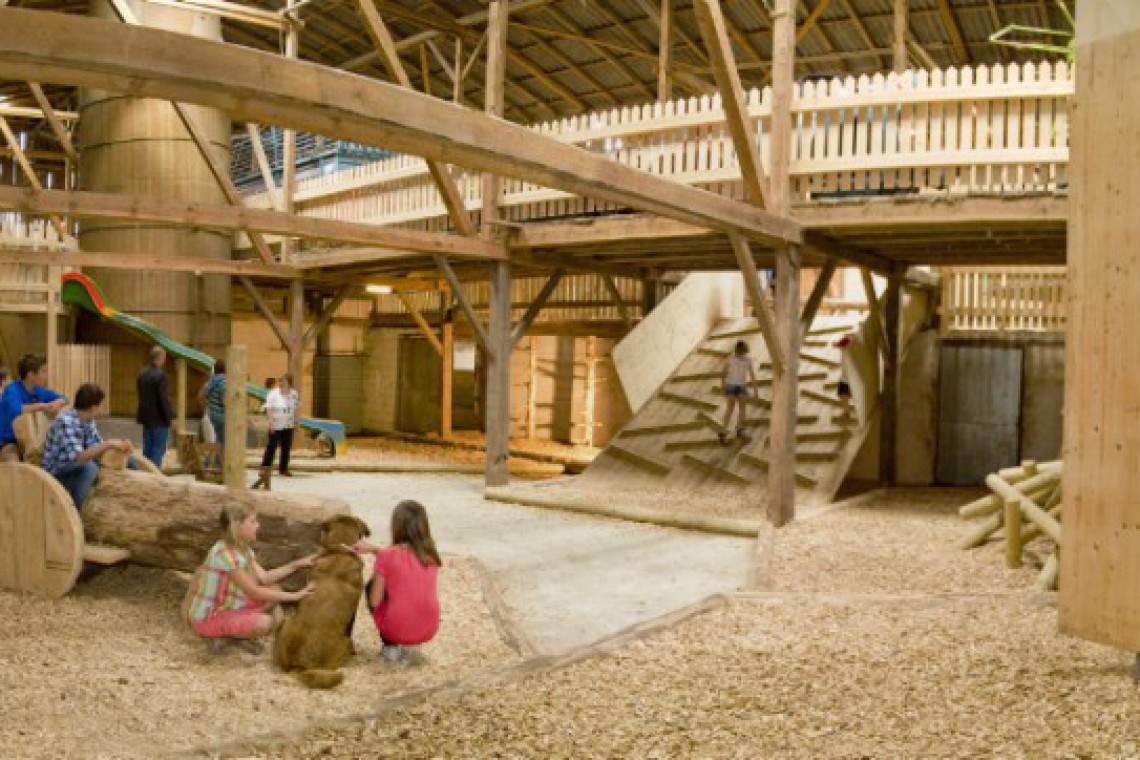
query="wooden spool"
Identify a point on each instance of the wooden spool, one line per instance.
(41, 537)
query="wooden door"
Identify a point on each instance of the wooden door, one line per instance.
(418, 394)
(979, 411)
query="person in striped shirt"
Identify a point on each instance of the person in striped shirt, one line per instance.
(231, 595)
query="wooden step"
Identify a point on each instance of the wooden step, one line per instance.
(707, 351)
(816, 456)
(760, 462)
(823, 435)
(716, 470)
(673, 427)
(823, 398)
(846, 421)
(696, 376)
(99, 554)
(817, 342)
(692, 444)
(696, 403)
(816, 358)
(639, 460)
(707, 420)
(749, 399)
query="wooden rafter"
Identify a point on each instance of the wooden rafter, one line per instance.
(440, 174)
(570, 65)
(329, 312)
(954, 31)
(562, 18)
(266, 312)
(53, 121)
(740, 124)
(141, 261)
(300, 95)
(138, 208)
(864, 33)
(29, 172)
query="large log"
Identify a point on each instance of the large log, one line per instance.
(172, 522)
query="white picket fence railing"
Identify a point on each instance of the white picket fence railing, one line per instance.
(986, 129)
(18, 231)
(1002, 299)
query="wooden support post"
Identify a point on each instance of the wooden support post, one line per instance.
(237, 374)
(874, 315)
(1012, 534)
(785, 383)
(52, 316)
(181, 392)
(297, 334)
(447, 356)
(888, 401)
(289, 159)
(532, 389)
(665, 54)
(499, 375)
(900, 35)
(464, 303)
(818, 291)
(499, 307)
(650, 295)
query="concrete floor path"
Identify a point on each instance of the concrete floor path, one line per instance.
(568, 580)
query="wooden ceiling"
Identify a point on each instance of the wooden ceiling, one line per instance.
(574, 56)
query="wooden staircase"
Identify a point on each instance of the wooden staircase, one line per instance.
(672, 443)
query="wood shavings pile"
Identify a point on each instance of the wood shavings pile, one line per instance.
(883, 641)
(109, 671)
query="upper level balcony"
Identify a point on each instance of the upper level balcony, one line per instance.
(863, 148)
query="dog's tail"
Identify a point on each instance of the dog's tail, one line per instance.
(321, 679)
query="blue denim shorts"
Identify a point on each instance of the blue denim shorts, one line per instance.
(732, 389)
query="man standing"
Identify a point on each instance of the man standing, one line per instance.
(73, 446)
(154, 406)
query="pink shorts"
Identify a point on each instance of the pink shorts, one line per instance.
(229, 622)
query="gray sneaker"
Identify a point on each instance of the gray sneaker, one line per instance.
(392, 653)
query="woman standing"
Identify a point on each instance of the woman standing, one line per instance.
(213, 395)
(283, 412)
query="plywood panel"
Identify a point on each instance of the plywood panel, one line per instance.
(1100, 567)
(41, 538)
(979, 413)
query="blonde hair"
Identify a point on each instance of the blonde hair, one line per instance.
(231, 517)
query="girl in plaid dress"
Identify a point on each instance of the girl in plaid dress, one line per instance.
(232, 596)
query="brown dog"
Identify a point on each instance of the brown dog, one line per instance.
(316, 641)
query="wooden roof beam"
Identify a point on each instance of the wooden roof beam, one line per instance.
(84, 204)
(255, 86)
(955, 32)
(142, 261)
(440, 174)
(740, 124)
(864, 33)
(617, 63)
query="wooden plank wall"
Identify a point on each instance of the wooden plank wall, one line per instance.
(1100, 555)
(77, 364)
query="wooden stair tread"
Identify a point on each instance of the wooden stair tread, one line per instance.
(816, 456)
(737, 333)
(677, 398)
(722, 353)
(758, 461)
(693, 443)
(105, 555)
(641, 460)
(823, 398)
(696, 376)
(823, 435)
(714, 469)
(672, 427)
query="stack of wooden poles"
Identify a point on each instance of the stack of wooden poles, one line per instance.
(1025, 504)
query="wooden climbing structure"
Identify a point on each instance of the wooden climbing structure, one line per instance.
(672, 441)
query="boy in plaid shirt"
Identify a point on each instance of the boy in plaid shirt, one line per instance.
(73, 445)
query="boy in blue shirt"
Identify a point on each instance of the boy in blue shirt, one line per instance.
(27, 394)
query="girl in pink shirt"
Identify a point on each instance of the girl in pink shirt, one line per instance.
(403, 593)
